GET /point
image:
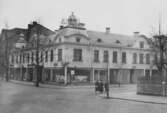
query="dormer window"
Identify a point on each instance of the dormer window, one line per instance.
(50, 41)
(142, 44)
(59, 39)
(78, 39)
(99, 40)
(117, 41)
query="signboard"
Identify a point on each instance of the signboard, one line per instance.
(72, 72)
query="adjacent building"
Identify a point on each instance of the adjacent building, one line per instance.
(73, 54)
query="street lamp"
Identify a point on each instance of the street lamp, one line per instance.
(107, 81)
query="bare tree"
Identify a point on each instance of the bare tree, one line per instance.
(5, 51)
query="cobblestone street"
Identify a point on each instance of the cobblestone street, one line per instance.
(19, 98)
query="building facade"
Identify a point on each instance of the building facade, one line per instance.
(74, 54)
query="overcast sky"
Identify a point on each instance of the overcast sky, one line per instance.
(122, 16)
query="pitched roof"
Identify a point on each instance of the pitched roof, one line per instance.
(110, 38)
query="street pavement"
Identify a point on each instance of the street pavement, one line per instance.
(26, 98)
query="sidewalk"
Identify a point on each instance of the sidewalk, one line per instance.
(132, 96)
(51, 85)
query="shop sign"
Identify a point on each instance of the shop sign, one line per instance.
(72, 72)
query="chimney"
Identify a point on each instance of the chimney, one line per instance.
(34, 23)
(107, 30)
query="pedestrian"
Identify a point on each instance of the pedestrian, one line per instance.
(106, 86)
(96, 86)
(101, 87)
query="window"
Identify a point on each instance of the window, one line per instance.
(59, 39)
(123, 57)
(115, 57)
(141, 44)
(20, 58)
(105, 59)
(23, 57)
(141, 58)
(155, 58)
(134, 58)
(147, 58)
(17, 58)
(59, 54)
(96, 56)
(99, 40)
(28, 57)
(77, 55)
(32, 57)
(12, 59)
(46, 56)
(50, 41)
(78, 39)
(117, 41)
(51, 55)
(41, 57)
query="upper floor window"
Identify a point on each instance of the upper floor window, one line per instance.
(123, 57)
(17, 58)
(141, 58)
(51, 55)
(20, 58)
(142, 44)
(24, 57)
(46, 56)
(12, 58)
(147, 58)
(41, 57)
(78, 39)
(117, 41)
(77, 55)
(32, 57)
(105, 59)
(134, 58)
(99, 40)
(96, 56)
(59, 39)
(59, 54)
(50, 41)
(115, 57)
(28, 57)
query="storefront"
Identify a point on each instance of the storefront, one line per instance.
(78, 75)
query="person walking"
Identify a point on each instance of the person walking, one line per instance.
(101, 88)
(96, 86)
(106, 86)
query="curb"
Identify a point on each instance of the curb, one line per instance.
(134, 100)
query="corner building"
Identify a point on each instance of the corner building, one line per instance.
(74, 54)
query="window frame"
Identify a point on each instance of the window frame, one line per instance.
(115, 57)
(106, 56)
(96, 56)
(77, 55)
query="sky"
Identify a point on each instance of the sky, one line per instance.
(122, 16)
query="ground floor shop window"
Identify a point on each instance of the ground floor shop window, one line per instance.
(79, 75)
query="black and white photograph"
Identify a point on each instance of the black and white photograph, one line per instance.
(83, 56)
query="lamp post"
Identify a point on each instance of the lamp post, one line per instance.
(107, 81)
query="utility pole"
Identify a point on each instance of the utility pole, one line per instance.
(107, 83)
